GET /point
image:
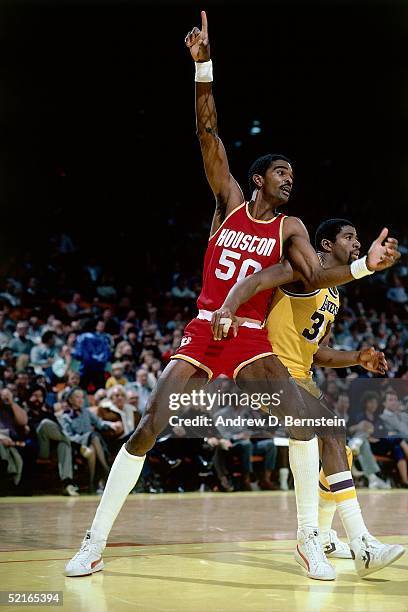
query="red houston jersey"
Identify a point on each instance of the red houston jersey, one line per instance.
(240, 247)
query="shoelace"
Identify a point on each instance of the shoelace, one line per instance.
(85, 547)
(316, 551)
(371, 542)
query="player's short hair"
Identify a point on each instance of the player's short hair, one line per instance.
(261, 165)
(328, 230)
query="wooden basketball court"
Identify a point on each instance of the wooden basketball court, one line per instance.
(195, 552)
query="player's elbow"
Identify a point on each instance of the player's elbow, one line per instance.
(312, 277)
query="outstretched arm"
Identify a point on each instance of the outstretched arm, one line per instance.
(303, 265)
(305, 262)
(370, 359)
(243, 290)
(228, 194)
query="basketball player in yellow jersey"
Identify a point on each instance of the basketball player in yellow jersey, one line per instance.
(299, 325)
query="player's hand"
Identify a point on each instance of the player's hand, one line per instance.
(221, 322)
(382, 256)
(197, 41)
(373, 361)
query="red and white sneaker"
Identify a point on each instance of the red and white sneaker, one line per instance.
(88, 559)
(309, 554)
(333, 547)
(370, 555)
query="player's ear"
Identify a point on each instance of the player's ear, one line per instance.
(327, 245)
(258, 180)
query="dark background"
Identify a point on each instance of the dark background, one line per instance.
(97, 120)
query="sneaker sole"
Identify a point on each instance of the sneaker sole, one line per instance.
(366, 572)
(299, 559)
(73, 574)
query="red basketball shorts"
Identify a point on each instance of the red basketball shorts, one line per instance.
(227, 356)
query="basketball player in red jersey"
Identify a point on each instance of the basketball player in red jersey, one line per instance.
(244, 238)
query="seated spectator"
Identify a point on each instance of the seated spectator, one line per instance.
(7, 357)
(359, 443)
(22, 388)
(236, 440)
(368, 424)
(5, 335)
(79, 424)
(180, 289)
(133, 398)
(45, 428)
(143, 388)
(13, 420)
(117, 409)
(117, 377)
(395, 420)
(43, 355)
(21, 345)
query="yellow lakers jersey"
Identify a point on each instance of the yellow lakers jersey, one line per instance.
(296, 325)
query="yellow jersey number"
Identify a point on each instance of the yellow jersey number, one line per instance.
(318, 322)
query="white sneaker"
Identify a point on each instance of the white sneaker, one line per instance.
(370, 555)
(374, 482)
(309, 554)
(71, 491)
(88, 559)
(333, 547)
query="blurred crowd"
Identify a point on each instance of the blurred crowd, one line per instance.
(81, 352)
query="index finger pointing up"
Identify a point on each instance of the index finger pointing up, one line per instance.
(204, 24)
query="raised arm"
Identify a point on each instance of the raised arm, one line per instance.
(228, 194)
(305, 262)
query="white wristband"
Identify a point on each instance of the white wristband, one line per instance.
(359, 268)
(204, 72)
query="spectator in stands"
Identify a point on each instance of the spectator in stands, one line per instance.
(74, 308)
(395, 420)
(6, 357)
(369, 424)
(92, 350)
(117, 409)
(133, 398)
(22, 391)
(5, 335)
(360, 445)
(13, 420)
(80, 425)
(44, 354)
(143, 388)
(236, 441)
(45, 428)
(21, 345)
(180, 289)
(117, 377)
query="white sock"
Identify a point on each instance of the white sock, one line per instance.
(123, 476)
(283, 478)
(304, 463)
(342, 487)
